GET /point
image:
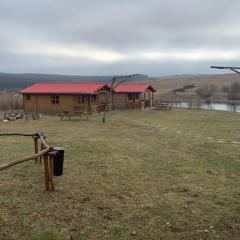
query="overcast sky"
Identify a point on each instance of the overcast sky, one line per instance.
(101, 37)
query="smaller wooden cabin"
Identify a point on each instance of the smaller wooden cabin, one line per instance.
(91, 97)
(133, 95)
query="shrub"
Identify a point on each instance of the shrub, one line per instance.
(233, 91)
(116, 229)
(7, 101)
(189, 86)
(179, 90)
(225, 89)
(206, 91)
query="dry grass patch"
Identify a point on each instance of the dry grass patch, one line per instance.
(144, 175)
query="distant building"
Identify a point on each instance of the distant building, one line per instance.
(73, 97)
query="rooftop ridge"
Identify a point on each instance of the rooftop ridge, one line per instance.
(72, 83)
(90, 83)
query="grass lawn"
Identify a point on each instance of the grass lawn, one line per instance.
(143, 175)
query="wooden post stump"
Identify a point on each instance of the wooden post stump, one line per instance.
(48, 168)
(35, 138)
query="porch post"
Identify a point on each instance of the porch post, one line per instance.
(144, 100)
(90, 104)
(107, 100)
(112, 101)
(126, 100)
(152, 99)
(98, 110)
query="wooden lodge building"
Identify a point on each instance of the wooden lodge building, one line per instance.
(90, 97)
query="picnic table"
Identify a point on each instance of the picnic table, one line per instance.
(163, 106)
(69, 114)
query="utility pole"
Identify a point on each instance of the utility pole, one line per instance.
(112, 87)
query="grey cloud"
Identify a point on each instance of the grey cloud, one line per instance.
(122, 26)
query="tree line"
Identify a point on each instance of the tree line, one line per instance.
(206, 92)
(232, 91)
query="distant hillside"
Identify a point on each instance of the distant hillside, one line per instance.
(18, 81)
(163, 85)
(168, 84)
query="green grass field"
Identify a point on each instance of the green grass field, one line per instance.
(143, 175)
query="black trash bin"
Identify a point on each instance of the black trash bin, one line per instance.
(58, 161)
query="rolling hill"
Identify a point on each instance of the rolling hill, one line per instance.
(163, 85)
(18, 81)
(168, 84)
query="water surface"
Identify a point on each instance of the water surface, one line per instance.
(207, 106)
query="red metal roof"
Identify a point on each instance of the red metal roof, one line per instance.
(64, 88)
(84, 88)
(133, 87)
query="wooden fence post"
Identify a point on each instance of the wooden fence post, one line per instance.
(46, 153)
(48, 168)
(35, 138)
(40, 159)
(50, 158)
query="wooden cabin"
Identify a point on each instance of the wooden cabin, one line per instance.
(133, 95)
(60, 97)
(90, 97)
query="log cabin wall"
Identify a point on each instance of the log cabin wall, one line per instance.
(92, 102)
(57, 103)
(119, 100)
(38, 98)
(127, 101)
(47, 103)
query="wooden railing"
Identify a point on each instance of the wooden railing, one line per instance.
(134, 105)
(93, 109)
(46, 153)
(102, 106)
(86, 111)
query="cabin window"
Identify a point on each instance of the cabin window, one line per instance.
(28, 97)
(55, 99)
(133, 96)
(94, 98)
(81, 99)
(136, 96)
(130, 96)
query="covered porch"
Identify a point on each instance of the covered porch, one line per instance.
(147, 99)
(94, 103)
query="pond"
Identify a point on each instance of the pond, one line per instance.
(207, 106)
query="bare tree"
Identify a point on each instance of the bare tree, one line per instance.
(233, 91)
(225, 89)
(207, 91)
(113, 85)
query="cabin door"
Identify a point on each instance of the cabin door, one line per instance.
(103, 97)
(81, 102)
